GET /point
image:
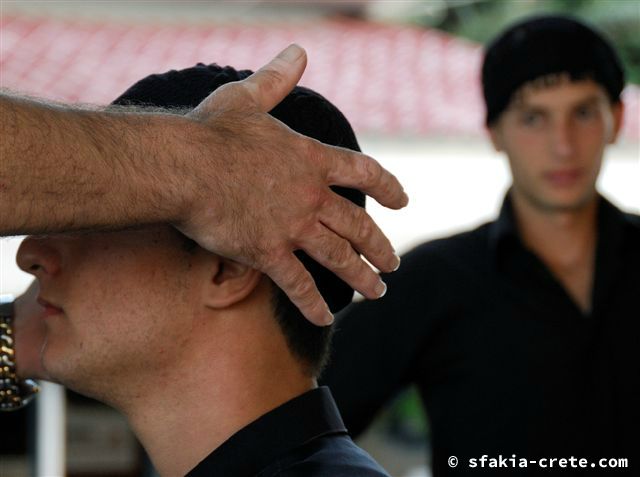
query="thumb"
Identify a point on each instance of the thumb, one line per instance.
(271, 83)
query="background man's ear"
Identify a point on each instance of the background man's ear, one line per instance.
(617, 110)
(494, 135)
(229, 283)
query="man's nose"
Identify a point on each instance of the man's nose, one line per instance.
(563, 139)
(39, 257)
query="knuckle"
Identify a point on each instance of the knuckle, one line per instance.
(392, 188)
(303, 225)
(339, 256)
(372, 171)
(273, 77)
(316, 306)
(313, 198)
(368, 280)
(365, 230)
(314, 151)
(304, 287)
(274, 261)
(270, 81)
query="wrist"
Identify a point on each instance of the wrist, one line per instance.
(171, 179)
(15, 393)
(192, 153)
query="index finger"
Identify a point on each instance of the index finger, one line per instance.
(358, 171)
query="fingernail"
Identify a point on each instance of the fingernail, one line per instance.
(381, 289)
(396, 264)
(291, 53)
(329, 319)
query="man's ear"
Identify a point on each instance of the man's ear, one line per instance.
(229, 282)
(617, 110)
(495, 136)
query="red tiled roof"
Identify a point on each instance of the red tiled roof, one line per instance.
(386, 79)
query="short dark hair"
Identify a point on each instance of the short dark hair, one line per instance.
(306, 112)
(547, 45)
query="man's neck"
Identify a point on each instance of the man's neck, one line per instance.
(565, 240)
(193, 409)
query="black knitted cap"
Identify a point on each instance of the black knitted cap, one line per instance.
(303, 110)
(544, 45)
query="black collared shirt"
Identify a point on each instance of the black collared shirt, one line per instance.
(505, 361)
(302, 437)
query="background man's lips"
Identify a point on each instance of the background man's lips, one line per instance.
(567, 177)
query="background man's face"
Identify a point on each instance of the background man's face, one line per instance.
(554, 137)
(123, 298)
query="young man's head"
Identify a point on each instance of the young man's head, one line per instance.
(552, 90)
(130, 306)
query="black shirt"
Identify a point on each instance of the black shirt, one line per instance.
(302, 437)
(505, 361)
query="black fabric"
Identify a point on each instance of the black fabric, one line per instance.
(545, 45)
(505, 362)
(303, 437)
(303, 110)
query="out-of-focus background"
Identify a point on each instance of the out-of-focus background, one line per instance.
(404, 73)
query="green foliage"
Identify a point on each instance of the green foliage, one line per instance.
(480, 20)
(405, 418)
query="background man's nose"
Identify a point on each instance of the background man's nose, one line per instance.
(563, 139)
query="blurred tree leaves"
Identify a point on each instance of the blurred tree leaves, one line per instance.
(480, 20)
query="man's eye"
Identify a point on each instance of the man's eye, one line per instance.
(531, 119)
(586, 112)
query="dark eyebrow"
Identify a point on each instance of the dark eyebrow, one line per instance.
(590, 101)
(523, 107)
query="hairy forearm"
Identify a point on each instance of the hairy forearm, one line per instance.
(74, 169)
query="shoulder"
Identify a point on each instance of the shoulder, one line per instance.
(628, 223)
(610, 215)
(328, 456)
(631, 235)
(632, 220)
(464, 248)
(457, 242)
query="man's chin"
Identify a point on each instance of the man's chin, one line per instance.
(52, 374)
(565, 201)
(56, 367)
(76, 376)
(567, 207)
(72, 381)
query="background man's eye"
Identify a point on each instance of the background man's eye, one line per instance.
(586, 112)
(530, 119)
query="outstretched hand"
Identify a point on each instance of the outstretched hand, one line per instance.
(274, 198)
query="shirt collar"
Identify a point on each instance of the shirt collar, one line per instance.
(504, 228)
(615, 228)
(309, 416)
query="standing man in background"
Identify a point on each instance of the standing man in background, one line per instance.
(523, 335)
